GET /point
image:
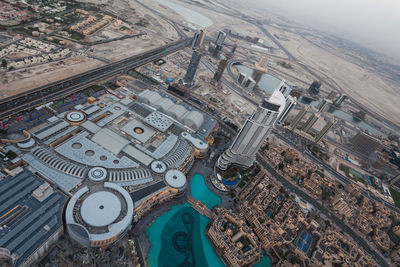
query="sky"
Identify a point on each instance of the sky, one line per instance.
(371, 23)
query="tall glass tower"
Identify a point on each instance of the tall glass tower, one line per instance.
(192, 68)
(253, 133)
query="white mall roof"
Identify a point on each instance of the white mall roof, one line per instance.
(138, 155)
(196, 142)
(100, 209)
(144, 136)
(110, 140)
(192, 118)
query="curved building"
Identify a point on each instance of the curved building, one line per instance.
(253, 133)
(175, 179)
(99, 215)
(5, 257)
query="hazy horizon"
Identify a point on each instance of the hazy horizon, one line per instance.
(370, 23)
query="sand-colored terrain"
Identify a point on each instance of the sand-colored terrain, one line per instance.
(17, 81)
(220, 21)
(359, 83)
(121, 49)
(157, 33)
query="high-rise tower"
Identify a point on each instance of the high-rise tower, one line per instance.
(340, 100)
(220, 38)
(192, 68)
(220, 70)
(311, 121)
(198, 39)
(314, 87)
(218, 43)
(253, 133)
(241, 78)
(324, 130)
(234, 49)
(290, 103)
(324, 105)
(202, 36)
(299, 117)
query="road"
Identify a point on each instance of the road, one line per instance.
(30, 99)
(339, 222)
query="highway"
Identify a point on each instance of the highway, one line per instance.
(30, 99)
(347, 229)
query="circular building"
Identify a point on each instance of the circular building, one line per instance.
(97, 174)
(96, 217)
(5, 257)
(175, 179)
(75, 117)
(158, 166)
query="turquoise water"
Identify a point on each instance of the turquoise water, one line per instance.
(178, 239)
(189, 15)
(178, 236)
(200, 191)
(264, 262)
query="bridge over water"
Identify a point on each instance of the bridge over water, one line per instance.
(200, 207)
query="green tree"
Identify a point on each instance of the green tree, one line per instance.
(4, 63)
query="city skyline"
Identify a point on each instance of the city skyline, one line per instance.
(195, 133)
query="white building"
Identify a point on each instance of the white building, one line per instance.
(253, 133)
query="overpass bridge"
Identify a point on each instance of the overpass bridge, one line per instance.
(200, 207)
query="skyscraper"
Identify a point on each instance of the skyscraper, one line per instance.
(198, 39)
(324, 105)
(234, 49)
(331, 95)
(253, 133)
(324, 130)
(290, 103)
(195, 40)
(260, 68)
(340, 100)
(241, 78)
(299, 117)
(220, 70)
(220, 38)
(284, 88)
(257, 75)
(218, 43)
(249, 84)
(217, 51)
(311, 121)
(201, 38)
(314, 87)
(192, 68)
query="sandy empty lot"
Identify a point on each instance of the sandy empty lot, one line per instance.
(118, 50)
(17, 81)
